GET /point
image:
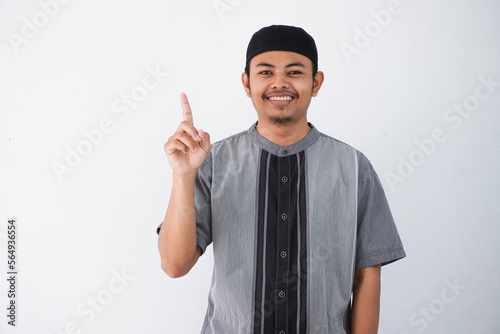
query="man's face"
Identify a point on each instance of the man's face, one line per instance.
(281, 86)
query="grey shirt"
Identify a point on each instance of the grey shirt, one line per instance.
(289, 227)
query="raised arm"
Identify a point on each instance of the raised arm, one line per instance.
(186, 151)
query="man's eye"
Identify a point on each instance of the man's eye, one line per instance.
(265, 72)
(295, 72)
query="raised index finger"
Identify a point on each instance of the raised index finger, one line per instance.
(186, 109)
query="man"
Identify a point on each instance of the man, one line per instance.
(298, 220)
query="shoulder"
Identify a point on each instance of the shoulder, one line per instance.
(348, 150)
(236, 139)
(228, 149)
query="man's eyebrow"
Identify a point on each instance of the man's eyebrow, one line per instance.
(295, 64)
(289, 65)
(265, 64)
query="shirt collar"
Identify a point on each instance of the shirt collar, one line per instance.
(282, 151)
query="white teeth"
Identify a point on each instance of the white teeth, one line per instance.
(281, 98)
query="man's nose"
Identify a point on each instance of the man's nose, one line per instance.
(281, 81)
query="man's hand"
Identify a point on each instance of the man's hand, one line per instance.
(188, 148)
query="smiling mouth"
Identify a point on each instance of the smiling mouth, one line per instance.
(280, 101)
(280, 98)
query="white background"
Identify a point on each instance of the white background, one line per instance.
(76, 232)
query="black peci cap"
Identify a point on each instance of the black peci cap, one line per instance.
(282, 38)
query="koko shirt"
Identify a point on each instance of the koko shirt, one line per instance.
(289, 227)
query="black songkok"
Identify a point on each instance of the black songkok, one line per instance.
(282, 38)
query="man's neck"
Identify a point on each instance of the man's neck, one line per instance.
(283, 134)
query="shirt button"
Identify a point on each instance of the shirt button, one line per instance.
(281, 294)
(283, 254)
(284, 216)
(284, 179)
(285, 151)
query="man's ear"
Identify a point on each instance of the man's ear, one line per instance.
(317, 82)
(246, 83)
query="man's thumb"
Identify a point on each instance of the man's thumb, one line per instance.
(205, 141)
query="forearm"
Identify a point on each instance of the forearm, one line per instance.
(366, 301)
(177, 238)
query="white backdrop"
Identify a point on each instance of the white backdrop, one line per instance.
(90, 93)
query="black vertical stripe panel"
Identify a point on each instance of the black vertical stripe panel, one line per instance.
(274, 273)
(258, 314)
(292, 272)
(303, 245)
(284, 227)
(271, 298)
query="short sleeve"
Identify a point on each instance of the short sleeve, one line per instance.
(202, 198)
(377, 240)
